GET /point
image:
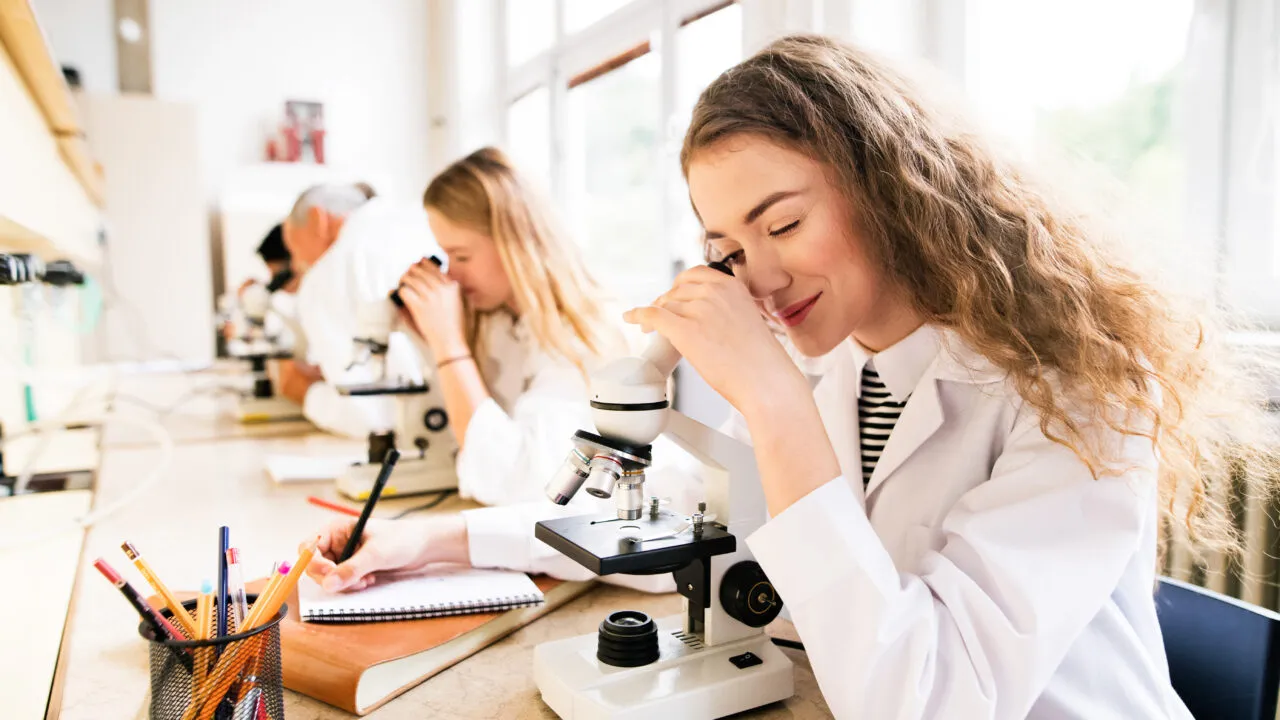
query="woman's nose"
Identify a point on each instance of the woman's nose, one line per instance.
(764, 277)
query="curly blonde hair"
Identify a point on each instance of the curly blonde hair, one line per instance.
(1026, 283)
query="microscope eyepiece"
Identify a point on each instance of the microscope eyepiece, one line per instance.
(395, 294)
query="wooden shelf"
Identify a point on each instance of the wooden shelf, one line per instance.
(24, 42)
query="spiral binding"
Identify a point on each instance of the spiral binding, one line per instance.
(420, 612)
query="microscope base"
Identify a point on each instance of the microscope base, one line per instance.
(260, 410)
(411, 477)
(687, 681)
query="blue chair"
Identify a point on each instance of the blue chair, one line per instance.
(1224, 654)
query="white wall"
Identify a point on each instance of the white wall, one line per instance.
(237, 61)
(80, 32)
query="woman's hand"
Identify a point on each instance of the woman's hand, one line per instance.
(433, 303)
(712, 320)
(386, 546)
(715, 324)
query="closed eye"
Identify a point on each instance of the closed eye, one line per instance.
(785, 229)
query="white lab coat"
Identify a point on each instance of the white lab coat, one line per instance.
(376, 245)
(983, 573)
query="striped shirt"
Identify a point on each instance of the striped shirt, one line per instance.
(878, 412)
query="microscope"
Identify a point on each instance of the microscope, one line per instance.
(714, 659)
(257, 344)
(421, 432)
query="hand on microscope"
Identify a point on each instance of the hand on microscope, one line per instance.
(386, 547)
(715, 324)
(292, 378)
(433, 303)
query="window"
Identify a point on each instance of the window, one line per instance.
(529, 135)
(1097, 98)
(705, 47)
(579, 14)
(613, 192)
(530, 29)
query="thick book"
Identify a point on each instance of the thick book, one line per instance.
(360, 666)
(444, 591)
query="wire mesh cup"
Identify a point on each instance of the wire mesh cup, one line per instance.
(236, 677)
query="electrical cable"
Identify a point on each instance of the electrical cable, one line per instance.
(788, 644)
(166, 446)
(441, 496)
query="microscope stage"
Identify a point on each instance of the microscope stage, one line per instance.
(600, 544)
(382, 388)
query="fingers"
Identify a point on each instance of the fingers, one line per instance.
(332, 539)
(349, 574)
(426, 272)
(652, 319)
(319, 568)
(703, 275)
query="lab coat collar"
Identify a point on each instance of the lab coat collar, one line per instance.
(900, 366)
(919, 363)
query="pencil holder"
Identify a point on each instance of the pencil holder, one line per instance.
(236, 677)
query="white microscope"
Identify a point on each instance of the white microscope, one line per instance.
(715, 659)
(261, 336)
(421, 431)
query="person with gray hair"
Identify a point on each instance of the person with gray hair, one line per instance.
(350, 251)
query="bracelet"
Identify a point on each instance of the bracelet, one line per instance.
(454, 359)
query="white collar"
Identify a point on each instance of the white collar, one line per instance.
(930, 350)
(902, 364)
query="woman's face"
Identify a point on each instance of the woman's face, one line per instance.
(787, 232)
(473, 263)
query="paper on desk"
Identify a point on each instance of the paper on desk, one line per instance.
(307, 468)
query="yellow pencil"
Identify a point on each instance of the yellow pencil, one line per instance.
(180, 614)
(204, 613)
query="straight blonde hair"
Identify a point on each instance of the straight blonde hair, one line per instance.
(563, 306)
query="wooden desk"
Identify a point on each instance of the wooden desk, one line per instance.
(34, 607)
(222, 482)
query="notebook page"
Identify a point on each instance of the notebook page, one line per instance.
(440, 588)
(306, 468)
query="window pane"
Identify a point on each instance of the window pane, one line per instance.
(530, 28)
(704, 49)
(1110, 109)
(581, 13)
(612, 181)
(529, 135)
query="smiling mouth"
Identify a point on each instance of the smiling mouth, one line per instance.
(794, 314)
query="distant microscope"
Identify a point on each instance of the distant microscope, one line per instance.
(261, 334)
(715, 659)
(421, 431)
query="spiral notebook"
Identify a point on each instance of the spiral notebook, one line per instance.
(440, 592)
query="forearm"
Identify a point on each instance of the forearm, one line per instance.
(295, 380)
(464, 390)
(793, 453)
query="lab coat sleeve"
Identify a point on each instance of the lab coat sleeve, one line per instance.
(502, 537)
(361, 270)
(508, 458)
(1017, 569)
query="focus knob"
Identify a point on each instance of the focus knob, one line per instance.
(747, 595)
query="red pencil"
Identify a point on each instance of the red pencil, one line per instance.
(321, 502)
